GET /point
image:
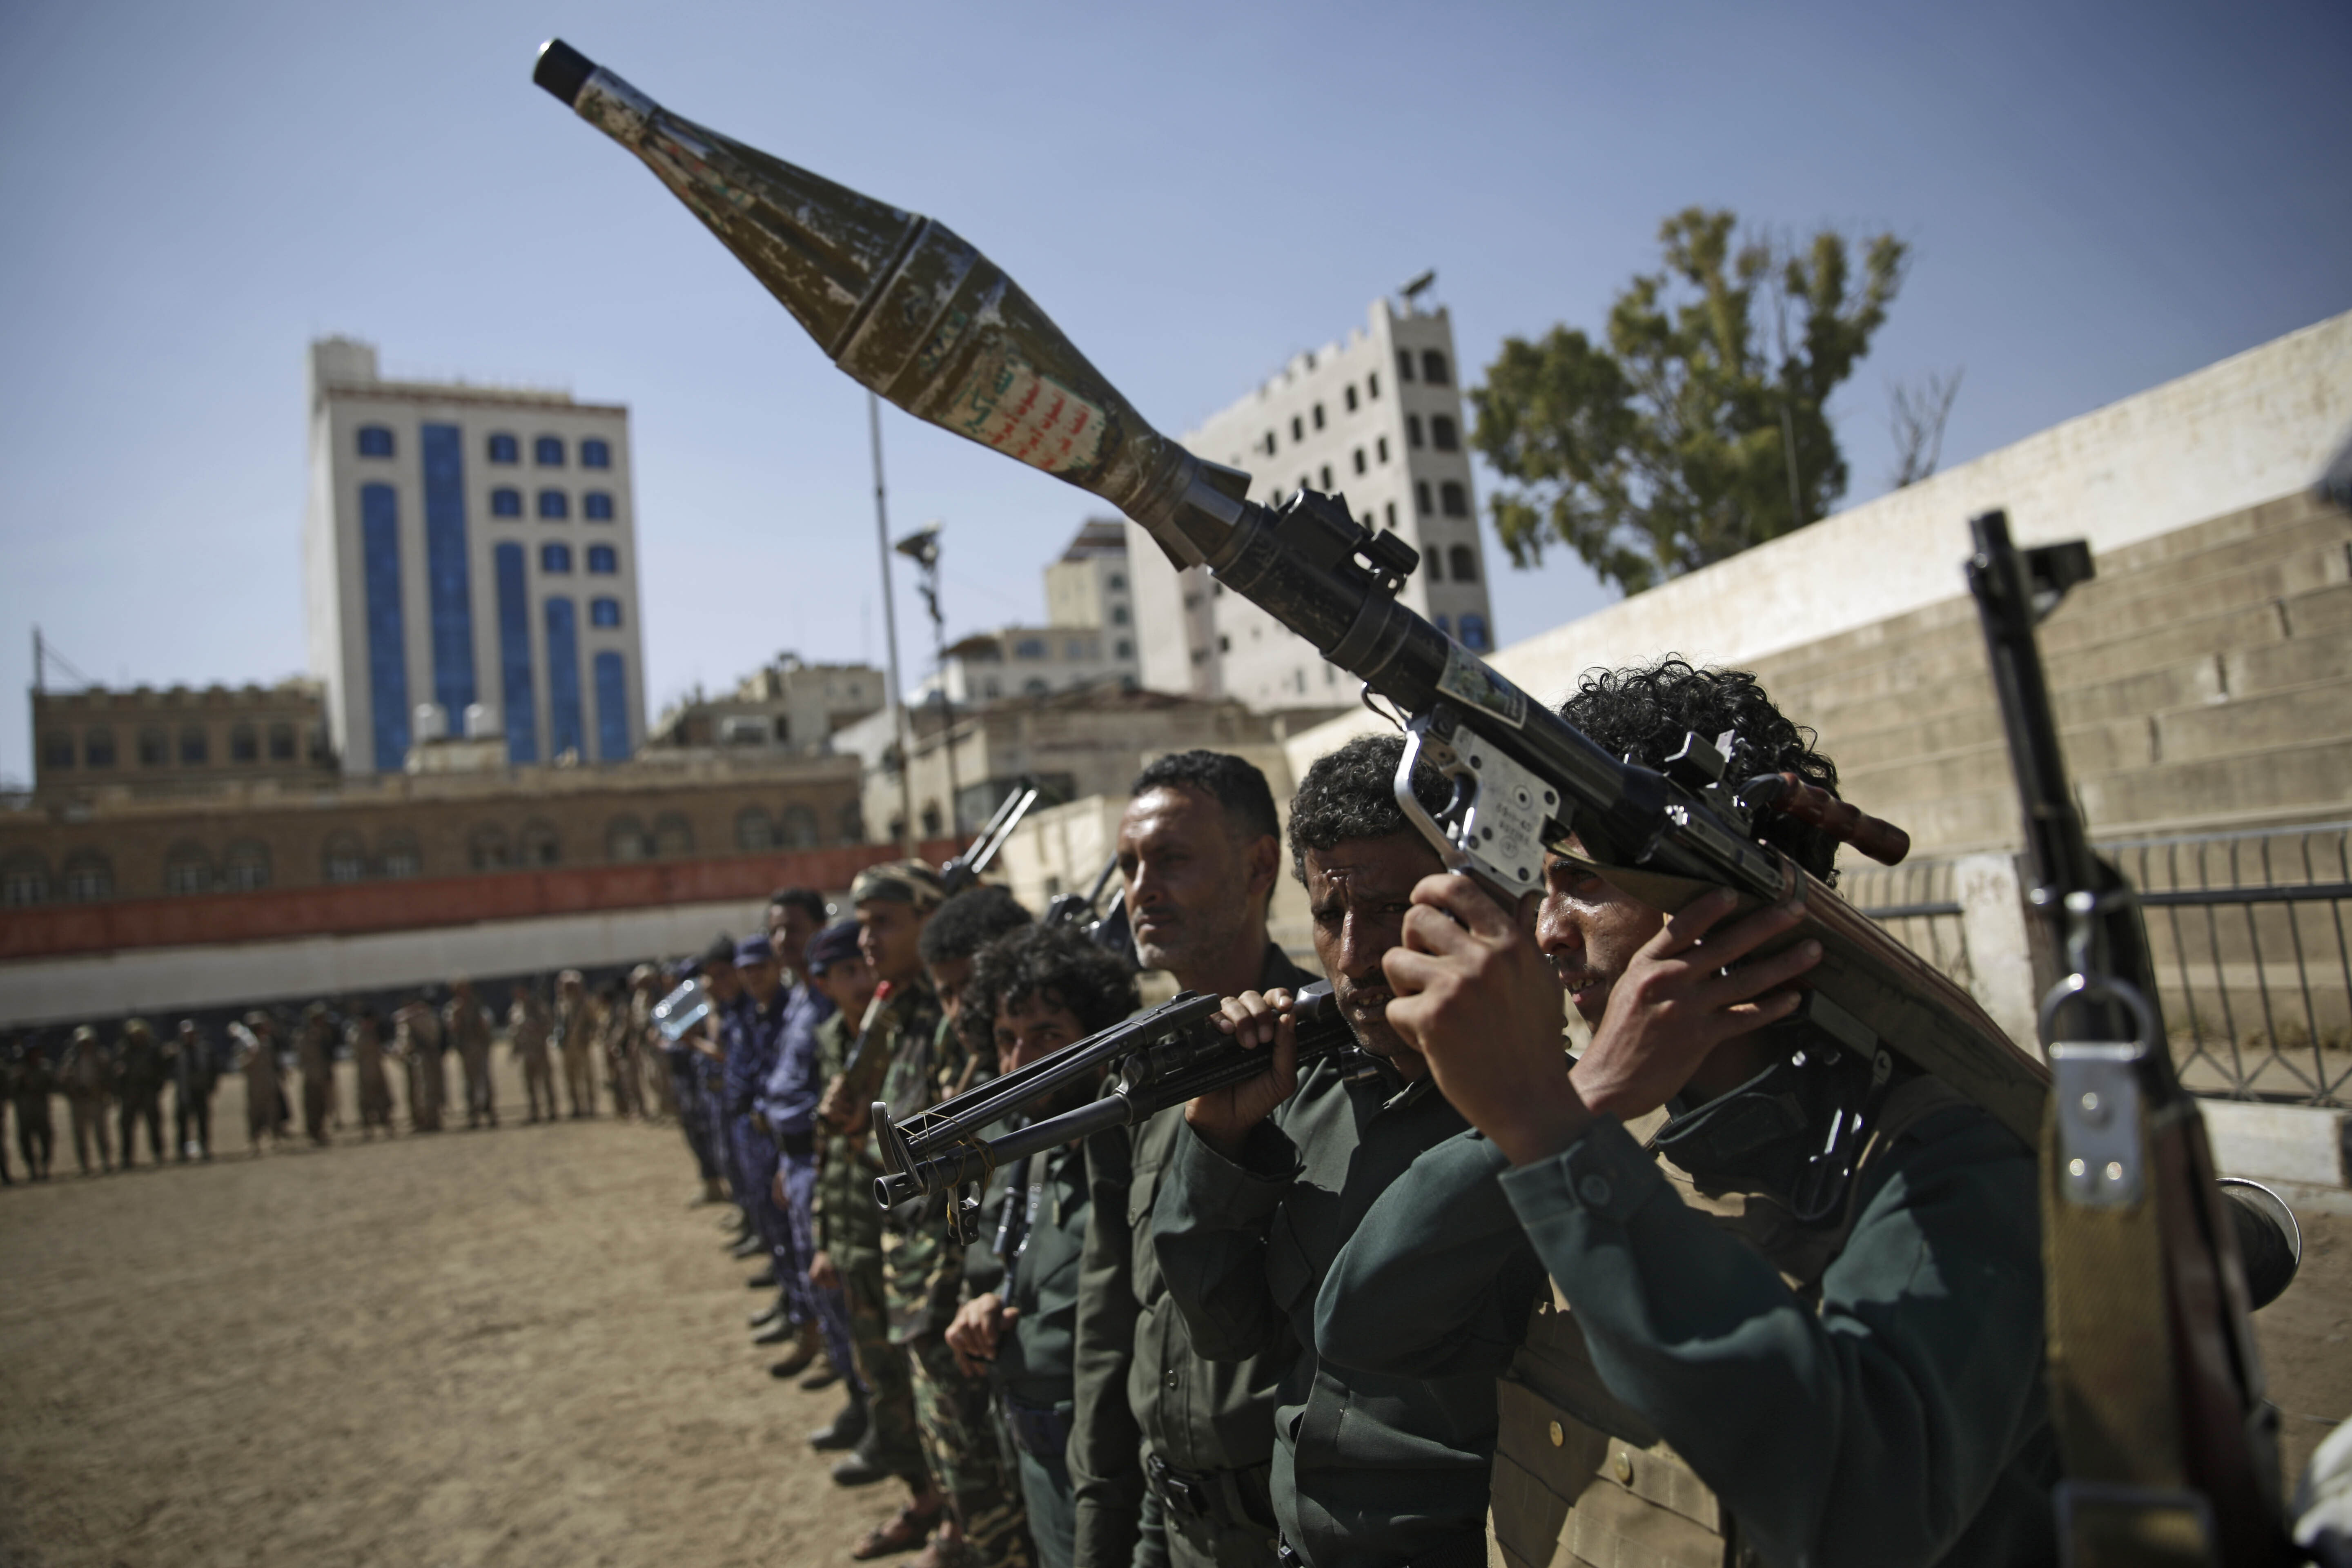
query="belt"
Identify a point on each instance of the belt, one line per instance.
(1041, 1431)
(799, 1145)
(1205, 1494)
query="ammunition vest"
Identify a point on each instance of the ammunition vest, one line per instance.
(1580, 1479)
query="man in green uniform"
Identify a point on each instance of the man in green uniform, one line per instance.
(1169, 1454)
(1273, 1175)
(1032, 993)
(1763, 1344)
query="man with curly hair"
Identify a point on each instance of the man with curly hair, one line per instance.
(1030, 993)
(1273, 1174)
(1761, 1344)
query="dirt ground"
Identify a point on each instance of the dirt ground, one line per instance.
(511, 1348)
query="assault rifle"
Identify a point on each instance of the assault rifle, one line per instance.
(921, 317)
(2169, 1450)
(1153, 1060)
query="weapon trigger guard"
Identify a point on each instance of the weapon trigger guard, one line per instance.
(1495, 831)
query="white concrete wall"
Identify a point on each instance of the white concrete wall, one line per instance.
(154, 980)
(2252, 429)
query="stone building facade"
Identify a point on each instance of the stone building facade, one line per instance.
(149, 742)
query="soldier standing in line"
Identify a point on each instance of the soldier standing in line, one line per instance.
(620, 1052)
(84, 1075)
(416, 1039)
(314, 1057)
(711, 1041)
(194, 1071)
(655, 1093)
(257, 1057)
(527, 1025)
(575, 1039)
(468, 1031)
(29, 1087)
(139, 1083)
(7, 1093)
(365, 1037)
(679, 1057)
(786, 1100)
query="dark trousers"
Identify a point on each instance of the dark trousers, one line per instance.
(193, 1113)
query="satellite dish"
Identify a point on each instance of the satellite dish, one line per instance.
(1419, 285)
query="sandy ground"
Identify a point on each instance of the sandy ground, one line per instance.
(502, 1348)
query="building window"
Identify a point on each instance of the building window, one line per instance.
(1123, 648)
(187, 869)
(282, 742)
(522, 714)
(1119, 615)
(555, 558)
(1445, 625)
(1465, 562)
(375, 441)
(1115, 582)
(1318, 416)
(548, 451)
(612, 708)
(505, 501)
(58, 749)
(486, 848)
(1372, 384)
(799, 828)
(595, 454)
(401, 857)
(535, 845)
(1327, 476)
(1270, 443)
(1421, 497)
(566, 724)
(344, 860)
(195, 746)
(24, 880)
(247, 869)
(754, 833)
(1381, 449)
(672, 837)
(1352, 398)
(1360, 464)
(1435, 560)
(931, 820)
(1404, 365)
(852, 819)
(1455, 498)
(154, 748)
(505, 448)
(604, 559)
(98, 747)
(596, 506)
(386, 631)
(1473, 632)
(1297, 428)
(1442, 434)
(1412, 429)
(1433, 368)
(89, 876)
(449, 567)
(1389, 512)
(1029, 647)
(243, 744)
(1035, 686)
(554, 506)
(603, 612)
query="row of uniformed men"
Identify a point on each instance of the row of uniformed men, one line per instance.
(1456, 1298)
(131, 1076)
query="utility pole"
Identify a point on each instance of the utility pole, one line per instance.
(923, 550)
(890, 639)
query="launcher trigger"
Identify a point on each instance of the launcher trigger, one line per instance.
(1493, 827)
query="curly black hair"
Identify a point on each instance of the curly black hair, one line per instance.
(969, 921)
(1641, 715)
(1351, 794)
(1226, 779)
(1055, 962)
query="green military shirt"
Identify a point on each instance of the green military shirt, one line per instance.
(1901, 1418)
(1368, 1468)
(1039, 1278)
(848, 1225)
(922, 1267)
(1141, 1388)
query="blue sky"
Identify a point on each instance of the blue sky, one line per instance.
(2099, 198)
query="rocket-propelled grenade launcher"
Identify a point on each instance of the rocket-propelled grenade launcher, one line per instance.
(910, 309)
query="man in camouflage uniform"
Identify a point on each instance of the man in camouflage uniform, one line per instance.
(528, 1027)
(314, 1051)
(140, 1085)
(921, 1063)
(194, 1072)
(85, 1074)
(576, 1038)
(470, 1033)
(29, 1087)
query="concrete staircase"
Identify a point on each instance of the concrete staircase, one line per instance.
(2204, 680)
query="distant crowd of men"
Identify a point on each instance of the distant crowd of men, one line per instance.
(418, 1061)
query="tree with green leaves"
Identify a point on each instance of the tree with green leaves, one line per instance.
(1699, 429)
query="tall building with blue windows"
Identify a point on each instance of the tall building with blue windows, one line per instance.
(469, 550)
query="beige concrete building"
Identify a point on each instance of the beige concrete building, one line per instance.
(787, 707)
(147, 742)
(1376, 417)
(468, 546)
(1089, 638)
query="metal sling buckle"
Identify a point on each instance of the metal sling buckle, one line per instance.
(2098, 1097)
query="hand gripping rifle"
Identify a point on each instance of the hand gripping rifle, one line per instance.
(1153, 1060)
(915, 313)
(2170, 1452)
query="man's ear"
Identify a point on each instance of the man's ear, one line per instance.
(1264, 866)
